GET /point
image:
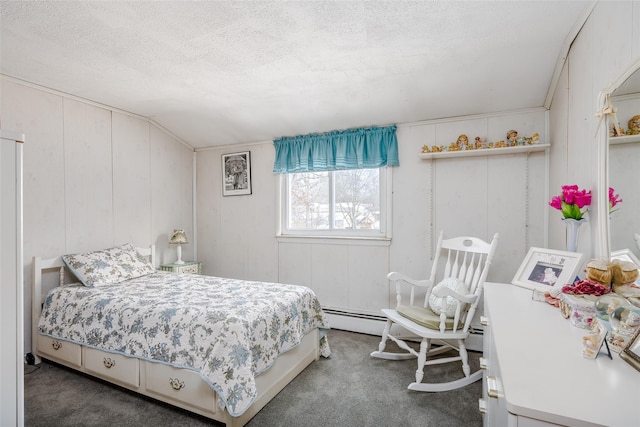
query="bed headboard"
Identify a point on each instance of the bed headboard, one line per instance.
(38, 294)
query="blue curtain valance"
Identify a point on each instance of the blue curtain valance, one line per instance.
(362, 148)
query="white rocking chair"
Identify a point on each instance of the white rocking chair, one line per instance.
(467, 260)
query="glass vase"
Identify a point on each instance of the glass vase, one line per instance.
(573, 231)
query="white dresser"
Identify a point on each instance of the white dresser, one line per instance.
(535, 369)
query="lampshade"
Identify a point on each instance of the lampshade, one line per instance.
(179, 237)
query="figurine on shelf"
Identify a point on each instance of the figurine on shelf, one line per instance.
(501, 144)
(436, 149)
(535, 138)
(462, 142)
(634, 125)
(480, 143)
(425, 149)
(616, 130)
(512, 138)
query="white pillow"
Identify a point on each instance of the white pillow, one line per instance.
(435, 303)
(108, 266)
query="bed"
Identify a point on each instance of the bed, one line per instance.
(219, 347)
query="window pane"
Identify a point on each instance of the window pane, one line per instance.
(308, 201)
(357, 199)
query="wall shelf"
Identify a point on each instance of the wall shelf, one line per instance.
(626, 139)
(487, 151)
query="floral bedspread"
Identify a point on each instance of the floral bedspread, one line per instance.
(227, 330)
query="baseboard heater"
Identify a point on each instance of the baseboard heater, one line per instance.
(373, 324)
(338, 312)
(348, 320)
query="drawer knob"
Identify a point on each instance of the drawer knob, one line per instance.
(176, 384)
(109, 362)
(482, 406)
(484, 321)
(493, 387)
(57, 345)
(483, 363)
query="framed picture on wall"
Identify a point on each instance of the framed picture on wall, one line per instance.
(545, 269)
(236, 174)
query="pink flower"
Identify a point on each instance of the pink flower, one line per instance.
(571, 201)
(556, 202)
(614, 199)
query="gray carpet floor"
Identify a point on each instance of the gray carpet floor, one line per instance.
(348, 389)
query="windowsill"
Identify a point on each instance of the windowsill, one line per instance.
(335, 240)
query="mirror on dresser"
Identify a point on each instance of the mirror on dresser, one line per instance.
(623, 153)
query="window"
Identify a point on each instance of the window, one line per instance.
(336, 203)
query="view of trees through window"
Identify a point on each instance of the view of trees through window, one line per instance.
(338, 200)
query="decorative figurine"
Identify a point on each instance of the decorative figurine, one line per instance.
(634, 125)
(462, 141)
(512, 137)
(425, 149)
(616, 130)
(535, 138)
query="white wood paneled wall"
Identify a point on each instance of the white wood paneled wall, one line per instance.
(468, 195)
(131, 179)
(88, 176)
(605, 48)
(94, 178)
(236, 234)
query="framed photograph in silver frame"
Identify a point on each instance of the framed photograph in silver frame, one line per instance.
(236, 173)
(547, 269)
(631, 353)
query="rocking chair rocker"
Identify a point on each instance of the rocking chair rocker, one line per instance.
(446, 312)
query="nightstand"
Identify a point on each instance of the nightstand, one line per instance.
(194, 267)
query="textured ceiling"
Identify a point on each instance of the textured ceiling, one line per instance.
(226, 72)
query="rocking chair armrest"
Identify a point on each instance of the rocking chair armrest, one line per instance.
(396, 277)
(443, 291)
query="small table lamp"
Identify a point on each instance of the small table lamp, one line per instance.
(179, 238)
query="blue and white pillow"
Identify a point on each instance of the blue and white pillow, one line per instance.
(108, 266)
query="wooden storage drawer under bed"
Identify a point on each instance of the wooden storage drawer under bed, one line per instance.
(181, 385)
(113, 367)
(64, 352)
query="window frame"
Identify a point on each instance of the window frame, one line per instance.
(385, 177)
